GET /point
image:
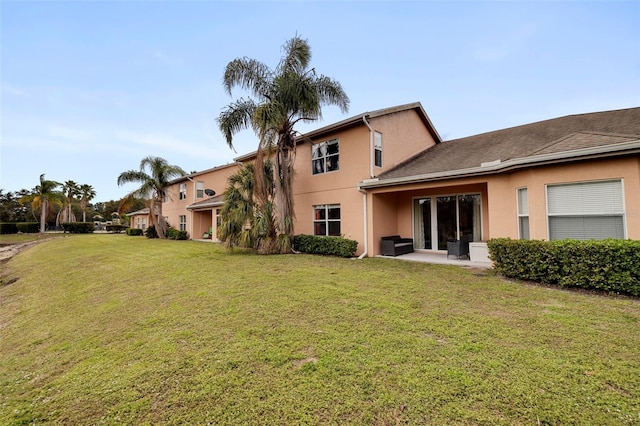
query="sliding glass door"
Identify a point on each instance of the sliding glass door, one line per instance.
(448, 218)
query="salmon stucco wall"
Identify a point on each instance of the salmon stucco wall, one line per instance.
(503, 201)
(404, 134)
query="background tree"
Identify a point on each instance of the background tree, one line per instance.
(154, 177)
(70, 190)
(289, 94)
(10, 208)
(86, 193)
(44, 197)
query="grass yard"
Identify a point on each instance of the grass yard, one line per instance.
(111, 329)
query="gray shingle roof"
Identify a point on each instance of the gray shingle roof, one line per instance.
(545, 137)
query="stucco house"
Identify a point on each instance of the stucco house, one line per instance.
(388, 172)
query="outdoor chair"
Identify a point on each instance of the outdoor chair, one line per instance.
(459, 248)
(207, 235)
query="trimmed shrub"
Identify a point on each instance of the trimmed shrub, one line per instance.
(328, 246)
(176, 234)
(28, 227)
(150, 232)
(115, 228)
(607, 265)
(8, 228)
(134, 231)
(78, 227)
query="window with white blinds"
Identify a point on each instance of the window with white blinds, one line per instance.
(586, 210)
(523, 213)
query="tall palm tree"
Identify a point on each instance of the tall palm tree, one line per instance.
(289, 94)
(44, 197)
(70, 189)
(154, 177)
(87, 193)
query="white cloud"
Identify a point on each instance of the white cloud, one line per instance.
(69, 134)
(166, 142)
(13, 90)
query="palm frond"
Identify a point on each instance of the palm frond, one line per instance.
(236, 117)
(297, 56)
(330, 92)
(249, 74)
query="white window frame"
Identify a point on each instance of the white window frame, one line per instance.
(200, 189)
(320, 157)
(183, 191)
(377, 149)
(183, 222)
(523, 212)
(327, 220)
(611, 207)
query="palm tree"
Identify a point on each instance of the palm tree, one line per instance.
(239, 223)
(44, 197)
(87, 193)
(70, 189)
(153, 185)
(289, 94)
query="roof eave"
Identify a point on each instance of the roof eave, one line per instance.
(624, 148)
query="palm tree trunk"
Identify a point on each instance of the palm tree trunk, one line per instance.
(43, 215)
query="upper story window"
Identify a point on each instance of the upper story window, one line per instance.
(377, 149)
(586, 210)
(183, 191)
(200, 189)
(523, 213)
(325, 157)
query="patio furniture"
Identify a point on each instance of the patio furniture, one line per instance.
(207, 235)
(459, 247)
(395, 245)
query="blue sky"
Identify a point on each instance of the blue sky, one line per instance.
(90, 88)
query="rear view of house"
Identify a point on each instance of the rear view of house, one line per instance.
(387, 172)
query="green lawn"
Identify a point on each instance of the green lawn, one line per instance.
(111, 329)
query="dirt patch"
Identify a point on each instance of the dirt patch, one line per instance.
(7, 251)
(299, 363)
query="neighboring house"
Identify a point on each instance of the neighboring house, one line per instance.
(388, 172)
(189, 207)
(139, 219)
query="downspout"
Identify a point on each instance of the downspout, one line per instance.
(366, 123)
(191, 211)
(364, 210)
(364, 193)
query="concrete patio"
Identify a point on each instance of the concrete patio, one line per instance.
(439, 258)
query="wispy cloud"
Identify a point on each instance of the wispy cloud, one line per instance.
(506, 45)
(170, 143)
(69, 134)
(13, 90)
(161, 56)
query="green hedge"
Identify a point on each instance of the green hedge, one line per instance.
(328, 246)
(115, 228)
(134, 231)
(78, 227)
(607, 265)
(8, 228)
(176, 234)
(28, 227)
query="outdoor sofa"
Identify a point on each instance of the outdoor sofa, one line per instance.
(395, 245)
